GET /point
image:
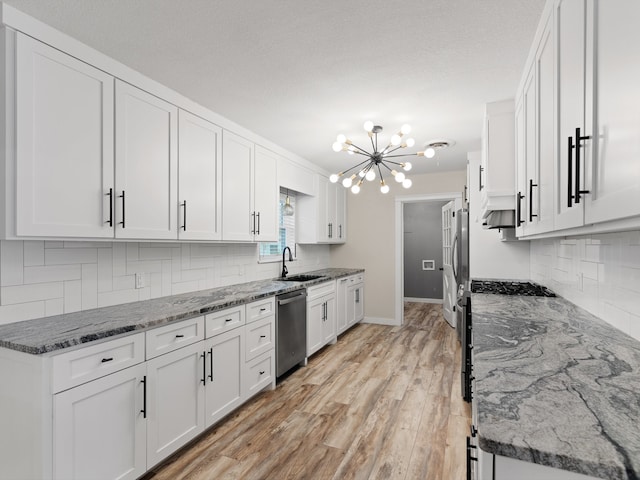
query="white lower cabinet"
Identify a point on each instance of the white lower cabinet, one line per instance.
(175, 401)
(108, 411)
(223, 377)
(350, 302)
(321, 316)
(99, 428)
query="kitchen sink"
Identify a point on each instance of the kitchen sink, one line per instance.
(301, 278)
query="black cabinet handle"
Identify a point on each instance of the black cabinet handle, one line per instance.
(474, 431)
(579, 139)
(480, 177)
(211, 363)
(519, 220)
(569, 171)
(470, 458)
(358, 296)
(263, 336)
(228, 319)
(179, 335)
(340, 231)
(144, 397)
(122, 197)
(184, 216)
(105, 360)
(204, 368)
(261, 372)
(531, 185)
(258, 231)
(110, 195)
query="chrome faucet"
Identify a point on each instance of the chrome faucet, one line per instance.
(284, 267)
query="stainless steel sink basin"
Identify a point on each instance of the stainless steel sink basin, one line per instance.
(301, 278)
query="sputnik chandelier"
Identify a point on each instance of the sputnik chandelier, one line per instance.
(378, 160)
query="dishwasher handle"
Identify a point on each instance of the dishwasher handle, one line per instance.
(297, 298)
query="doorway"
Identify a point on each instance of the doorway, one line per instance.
(406, 203)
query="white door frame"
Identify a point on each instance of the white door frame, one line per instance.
(399, 202)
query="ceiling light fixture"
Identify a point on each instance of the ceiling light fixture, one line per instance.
(377, 160)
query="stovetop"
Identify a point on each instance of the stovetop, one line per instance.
(510, 288)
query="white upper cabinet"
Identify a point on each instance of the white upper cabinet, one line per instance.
(237, 196)
(612, 156)
(266, 195)
(249, 191)
(322, 218)
(199, 178)
(570, 19)
(64, 144)
(146, 165)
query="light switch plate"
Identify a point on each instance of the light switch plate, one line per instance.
(139, 280)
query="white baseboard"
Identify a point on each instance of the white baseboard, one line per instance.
(423, 300)
(382, 321)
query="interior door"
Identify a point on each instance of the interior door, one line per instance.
(448, 279)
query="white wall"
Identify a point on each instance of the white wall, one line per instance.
(43, 278)
(489, 257)
(600, 273)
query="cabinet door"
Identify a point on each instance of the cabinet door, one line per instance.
(530, 149)
(64, 144)
(332, 224)
(238, 219)
(329, 325)
(315, 321)
(340, 232)
(224, 360)
(146, 165)
(613, 172)
(570, 19)
(521, 166)
(99, 428)
(267, 195)
(323, 215)
(175, 399)
(342, 299)
(541, 189)
(358, 303)
(200, 178)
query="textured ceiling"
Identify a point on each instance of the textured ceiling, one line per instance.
(300, 72)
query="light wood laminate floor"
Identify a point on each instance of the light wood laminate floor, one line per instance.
(383, 403)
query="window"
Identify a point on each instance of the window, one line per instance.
(272, 252)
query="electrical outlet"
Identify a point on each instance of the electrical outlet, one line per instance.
(139, 280)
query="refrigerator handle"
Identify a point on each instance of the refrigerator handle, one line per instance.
(453, 256)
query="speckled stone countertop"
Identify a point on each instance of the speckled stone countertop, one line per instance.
(556, 386)
(49, 334)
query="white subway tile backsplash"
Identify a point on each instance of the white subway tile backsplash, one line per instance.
(11, 263)
(44, 278)
(600, 273)
(52, 273)
(27, 293)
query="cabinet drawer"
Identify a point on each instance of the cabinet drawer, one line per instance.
(224, 320)
(322, 289)
(258, 374)
(79, 366)
(260, 309)
(259, 337)
(171, 337)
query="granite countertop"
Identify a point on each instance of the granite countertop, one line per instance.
(49, 334)
(556, 386)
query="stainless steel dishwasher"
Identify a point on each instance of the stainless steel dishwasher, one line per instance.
(291, 330)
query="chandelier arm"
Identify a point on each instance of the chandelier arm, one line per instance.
(394, 149)
(380, 172)
(373, 144)
(402, 155)
(356, 166)
(395, 163)
(361, 149)
(385, 166)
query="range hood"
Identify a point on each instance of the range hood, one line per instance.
(500, 219)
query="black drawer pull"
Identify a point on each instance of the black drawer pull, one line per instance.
(228, 319)
(144, 397)
(105, 360)
(263, 336)
(262, 372)
(179, 335)
(203, 356)
(263, 309)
